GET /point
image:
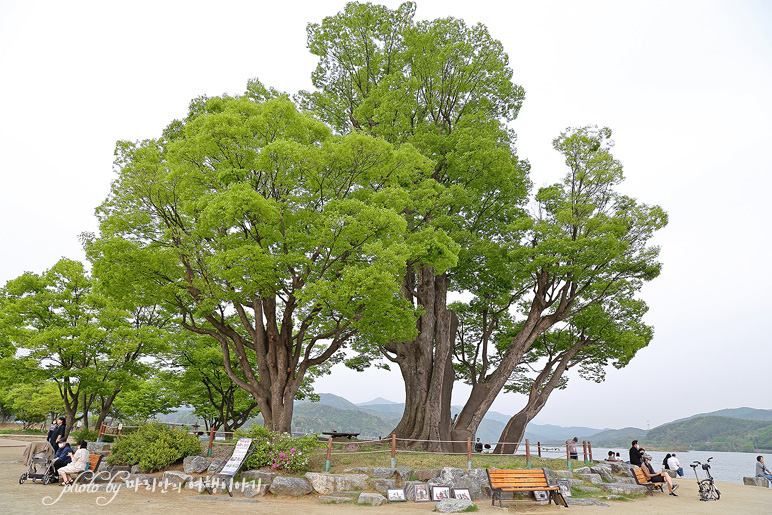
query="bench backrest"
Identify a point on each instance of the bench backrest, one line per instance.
(518, 478)
(640, 476)
(93, 461)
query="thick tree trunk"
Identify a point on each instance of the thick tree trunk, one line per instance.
(104, 410)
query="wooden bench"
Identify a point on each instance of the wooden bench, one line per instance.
(522, 480)
(640, 477)
(94, 460)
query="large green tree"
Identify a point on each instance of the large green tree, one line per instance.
(446, 88)
(268, 233)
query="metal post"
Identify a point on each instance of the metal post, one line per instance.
(211, 441)
(568, 456)
(584, 444)
(538, 448)
(329, 455)
(468, 453)
(393, 450)
(527, 454)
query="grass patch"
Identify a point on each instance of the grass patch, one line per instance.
(470, 508)
(22, 432)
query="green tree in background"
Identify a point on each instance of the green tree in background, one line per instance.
(266, 232)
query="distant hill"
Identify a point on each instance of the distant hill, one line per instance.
(741, 413)
(618, 437)
(713, 433)
(377, 400)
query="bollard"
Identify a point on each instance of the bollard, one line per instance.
(527, 454)
(393, 450)
(538, 448)
(568, 456)
(211, 442)
(584, 444)
(329, 455)
(469, 453)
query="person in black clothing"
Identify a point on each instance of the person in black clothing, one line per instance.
(62, 458)
(635, 454)
(57, 434)
(478, 446)
(657, 477)
(664, 462)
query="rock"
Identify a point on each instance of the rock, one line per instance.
(587, 501)
(454, 505)
(592, 478)
(626, 480)
(404, 472)
(613, 497)
(550, 475)
(603, 471)
(471, 483)
(382, 484)
(98, 447)
(584, 488)
(363, 470)
(326, 484)
(135, 469)
(426, 474)
(617, 467)
(671, 473)
(449, 473)
(252, 489)
(756, 481)
(623, 488)
(141, 479)
(216, 465)
(575, 481)
(195, 464)
(583, 470)
(371, 499)
(293, 486)
(626, 473)
(382, 472)
(331, 499)
(563, 473)
(174, 477)
(266, 476)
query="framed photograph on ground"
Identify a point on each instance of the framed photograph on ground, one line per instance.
(422, 493)
(462, 493)
(440, 492)
(540, 495)
(565, 487)
(395, 495)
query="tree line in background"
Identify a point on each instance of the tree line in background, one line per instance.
(267, 237)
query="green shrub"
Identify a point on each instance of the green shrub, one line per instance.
(90, 435)
(154, 447)
(280, 451)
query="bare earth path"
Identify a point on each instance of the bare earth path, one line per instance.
(37, 498)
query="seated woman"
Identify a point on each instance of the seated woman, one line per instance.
(78, 464)
(657, 477)
(62, 456)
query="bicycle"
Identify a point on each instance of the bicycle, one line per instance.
(708, 490)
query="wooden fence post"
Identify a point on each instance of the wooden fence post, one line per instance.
(527, 453)
(468, 453)
(329, 455)
(393, 450)
(211, 442)
(538, 448)
(101, 432)
(589, 448)
(584, 444)
(568, 456)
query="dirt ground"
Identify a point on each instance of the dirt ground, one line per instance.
(37, 498)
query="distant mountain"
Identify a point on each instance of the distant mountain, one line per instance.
(617, 437)
(741, 413)
(377, 400)
(713, 433)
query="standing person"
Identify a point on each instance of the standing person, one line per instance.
(635, 454)
(572, 452)
(478, 446)
(57, 433)
(657, 477)
(761, 469)
(664, 462)
(78, 464)
(674, 464)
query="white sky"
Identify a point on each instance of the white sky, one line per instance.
(685, 86)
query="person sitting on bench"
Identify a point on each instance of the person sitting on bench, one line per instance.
(62, 458)
(657, 477)
(79, 463)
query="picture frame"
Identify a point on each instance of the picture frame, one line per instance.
(540, 495)
(396, 495)
(462, 493)
(565, 487)
(440, 492)
(422, 493)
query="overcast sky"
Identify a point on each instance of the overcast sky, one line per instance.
(685, 86)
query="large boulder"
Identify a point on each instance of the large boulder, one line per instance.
(264, 476)
(564, 473)
(756, 481)
(382, 472)
(326, 484)
(670, 472)
(175, 478)
(252, 489)
(332, 499)
(426, 474)
(628, 480)
(404, 472)
(381, 484)
(195, 464)
(592, 478)
(293, 486)
(603, 471)
(617, 467)
(578, 501)
(216, 465)
(409, 488)
(371, 499)
(99, 447)
(454, 505)
(623, 488)
(582, 470)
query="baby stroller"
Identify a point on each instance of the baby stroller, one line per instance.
(38, 456)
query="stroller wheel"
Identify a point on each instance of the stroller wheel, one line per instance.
(22, 479)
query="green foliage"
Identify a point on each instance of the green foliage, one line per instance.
(90, 435)
(33, 401)
(280, 451)
(713, 433)
(154, 447)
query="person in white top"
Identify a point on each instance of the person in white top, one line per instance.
(78, 464)
(673, 464)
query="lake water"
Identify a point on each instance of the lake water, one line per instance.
(725, 466)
